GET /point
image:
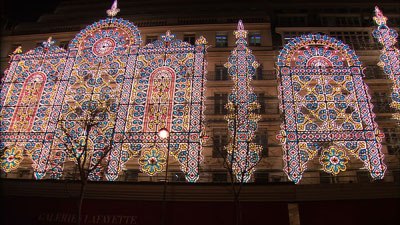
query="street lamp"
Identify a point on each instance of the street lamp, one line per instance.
(163, 133)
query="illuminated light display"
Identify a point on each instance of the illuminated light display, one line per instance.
(11, 158)
(242, 154)
(144, 88)
(31, 94)
(168, 92)
(390, 57)
(326, 108)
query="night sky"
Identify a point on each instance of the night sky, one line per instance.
(25, 11)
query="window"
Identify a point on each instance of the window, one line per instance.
(271, 105)
(276, 178)
(292, 20)
(374, 72)
(392, 137)
(219, 177)
(360, 40)
(221, 40)
(64, 44)
(262, 140)
(178, 177)
(363, 177)
(338, 21)
(261, 100)
(261, 177)
(221, 73)
(258, 75)
(326, 178)
(381, 102)
(150, 39)
(287, 36)
(220, 100)
(396, 176)
(189, 38)
(220, 140)
(131, 175)
(254, 39)
(24, 173)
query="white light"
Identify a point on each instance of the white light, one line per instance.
(163, 133)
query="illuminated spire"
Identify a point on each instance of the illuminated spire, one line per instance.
(243, 154)
(113, 10)
(379, 17)
(390, 57)
(240, 32)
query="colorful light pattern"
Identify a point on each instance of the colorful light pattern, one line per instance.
(334, 160)
(243, 155)
(10, 158)
(326, 107)
(390, 57)
(139, 89)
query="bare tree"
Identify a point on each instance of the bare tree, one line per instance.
(79, 145)
(227, 154)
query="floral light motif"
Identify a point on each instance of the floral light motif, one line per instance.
(334, 160)
(325, 104)
(242, 121)
(11, 158)
(390, 57)
(152, 161)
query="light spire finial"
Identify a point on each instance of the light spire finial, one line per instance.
(240, 32)
(113, 10)
(379, 17)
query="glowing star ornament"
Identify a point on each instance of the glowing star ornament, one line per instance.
(113, 10)
(326, 108)
(390, 57)
(243, 155)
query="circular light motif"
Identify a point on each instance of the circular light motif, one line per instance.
(103, 46)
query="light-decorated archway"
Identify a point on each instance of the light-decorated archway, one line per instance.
(326, 108)
(141, 90)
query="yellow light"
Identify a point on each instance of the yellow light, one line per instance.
(163, 133)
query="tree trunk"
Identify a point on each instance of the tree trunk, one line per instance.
(80, 201)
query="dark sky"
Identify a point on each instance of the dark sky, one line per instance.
(28, 10)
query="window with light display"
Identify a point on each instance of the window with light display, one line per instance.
(326, 106)
(140, 89)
